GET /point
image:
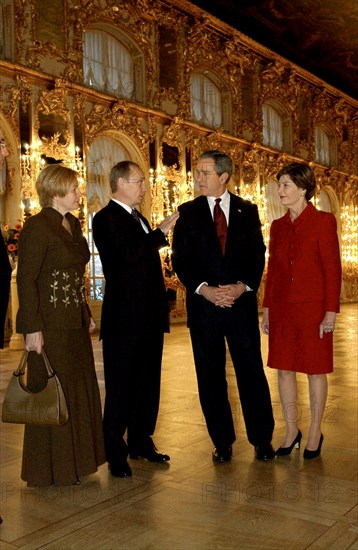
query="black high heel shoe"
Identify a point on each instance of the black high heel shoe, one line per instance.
(313, 454)
(284, 451)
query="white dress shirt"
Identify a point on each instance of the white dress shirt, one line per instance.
(225, 207)
(129, 209)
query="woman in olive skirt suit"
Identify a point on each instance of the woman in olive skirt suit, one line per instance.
(301, 301)
(53, 314)
(5, 267)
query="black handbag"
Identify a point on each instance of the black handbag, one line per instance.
(47, 407)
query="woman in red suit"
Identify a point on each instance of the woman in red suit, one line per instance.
(301, 301)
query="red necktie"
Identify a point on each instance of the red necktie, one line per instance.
(220, 224)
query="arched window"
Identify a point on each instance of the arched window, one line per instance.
(103, 154)
(322, 201)
(274, 208)
(107, 64)
(272, 127)
(322, 147)
(206, 101)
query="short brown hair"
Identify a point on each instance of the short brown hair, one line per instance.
(302, 175)
(120, 170)
(222, 162)
(54, 180)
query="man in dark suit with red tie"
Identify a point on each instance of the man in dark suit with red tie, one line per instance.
(134, 319)
(219, 255)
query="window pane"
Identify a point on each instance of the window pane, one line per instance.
(107, 64)
(322, 147)
(97, 266)
(102, 155)
(272, 127)
(206, 101)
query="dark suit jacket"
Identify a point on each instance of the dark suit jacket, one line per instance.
(135, 296)
(5, 276)
(197, 255)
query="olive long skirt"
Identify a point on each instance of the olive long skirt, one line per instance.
(60, 455)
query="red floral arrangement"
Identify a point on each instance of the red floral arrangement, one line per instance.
(11, 236)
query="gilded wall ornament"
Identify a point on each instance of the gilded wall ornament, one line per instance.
(53, 104)
(173, 135)
(22, 24)
(246, 75)
(163, 97)
(101, 119)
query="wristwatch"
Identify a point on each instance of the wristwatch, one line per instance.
(247, 288)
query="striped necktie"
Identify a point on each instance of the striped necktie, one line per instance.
(135, 215)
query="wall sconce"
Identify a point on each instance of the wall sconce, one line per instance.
(256, 193)
(349, 241)
(79, 167)
(31, 165)
(168, 189)
(33, 160)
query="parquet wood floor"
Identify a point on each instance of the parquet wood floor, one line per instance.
(191, 503)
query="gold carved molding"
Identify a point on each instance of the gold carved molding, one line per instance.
(48, 80)
(101, 119)
(54, 103)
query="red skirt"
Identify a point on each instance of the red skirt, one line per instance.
(294, 342)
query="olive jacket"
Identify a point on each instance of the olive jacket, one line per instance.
(5, 276)
(50, 275)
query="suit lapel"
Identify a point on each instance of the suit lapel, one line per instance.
(124, 215)
(235, 210)
(235, 220)
(145, 221)
(204, 213)
(206, 225)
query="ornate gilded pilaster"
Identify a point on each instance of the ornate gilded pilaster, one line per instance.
(44, 94)
(101, 119)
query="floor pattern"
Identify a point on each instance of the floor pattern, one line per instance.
(192, 503)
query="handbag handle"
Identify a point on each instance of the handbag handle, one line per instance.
(45, 407)
(20, 371)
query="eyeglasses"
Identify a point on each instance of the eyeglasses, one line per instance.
(140, 181)
(204, 173)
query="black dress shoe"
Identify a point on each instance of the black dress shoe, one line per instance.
(264, 452)
(222, 454)
(150, 454)
(307, 454)
(284, 451)
(120, 469)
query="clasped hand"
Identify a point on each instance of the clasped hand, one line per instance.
(222, 295)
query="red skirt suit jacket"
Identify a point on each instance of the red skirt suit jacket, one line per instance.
(303, 282)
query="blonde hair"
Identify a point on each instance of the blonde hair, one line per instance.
(54, 180)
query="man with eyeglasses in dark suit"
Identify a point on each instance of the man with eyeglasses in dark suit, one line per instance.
(218, 253)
